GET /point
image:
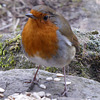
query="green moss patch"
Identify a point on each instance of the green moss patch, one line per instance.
(8, 48)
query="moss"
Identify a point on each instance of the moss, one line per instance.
(18, 37)
(7, 61)
(4, 52)
(8, 50)
(1, 45)
(95, 32)
(91, 37)
(84, 72)
(95, 66)
(93, 46)
(0, 52)
(51, 69)
(27, 66)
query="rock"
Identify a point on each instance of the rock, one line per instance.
(41, 93)
(49, 79)
(48, 95)
(2, 90)
(79, 89)
(68, 83)
(59, 75)
(42, 86)
(1, 95)
(36, 95)
(57, 79)
(28, 93)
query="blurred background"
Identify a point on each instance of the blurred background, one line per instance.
(81, 14)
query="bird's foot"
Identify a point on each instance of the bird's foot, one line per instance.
(64, 94)
(33, 83)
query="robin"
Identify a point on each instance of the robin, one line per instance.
(47, 39)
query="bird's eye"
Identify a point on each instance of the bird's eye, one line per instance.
(45, 18)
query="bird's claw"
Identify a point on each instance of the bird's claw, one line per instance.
(33, 83)
(64, 93)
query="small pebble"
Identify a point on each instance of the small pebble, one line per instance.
(2, 90)
(28, 93)
(41, 93)
(53, 99)
(59, 75)
(1, 95)
(15, 95)
(49, 79)
(68, 83)
(42, 86)
(22, 97)
(57, 79)
(48, 94)
(35, 95)
(11, 97)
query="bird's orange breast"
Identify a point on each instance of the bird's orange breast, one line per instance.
(39, 38)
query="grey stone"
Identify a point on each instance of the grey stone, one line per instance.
(13, 81)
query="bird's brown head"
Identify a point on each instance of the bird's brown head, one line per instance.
(39, 34)
(43, 14)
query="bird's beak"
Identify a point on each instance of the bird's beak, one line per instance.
(30, 15)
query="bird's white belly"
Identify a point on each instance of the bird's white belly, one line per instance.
(62, 58)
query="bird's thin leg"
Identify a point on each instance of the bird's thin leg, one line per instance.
(33, 81)
(36, 73)
(65, 88)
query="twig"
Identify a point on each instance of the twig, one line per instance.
(15, 26)
(2, 28)
(23, 2)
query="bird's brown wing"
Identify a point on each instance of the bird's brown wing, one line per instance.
(67, 31)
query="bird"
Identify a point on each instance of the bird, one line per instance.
(48, 40)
